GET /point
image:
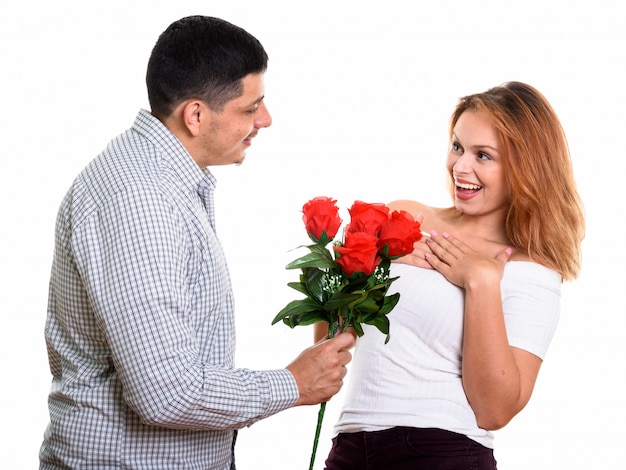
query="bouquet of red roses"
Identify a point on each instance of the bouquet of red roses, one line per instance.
(347, 286)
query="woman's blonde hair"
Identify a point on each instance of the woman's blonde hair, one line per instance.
(545, 216)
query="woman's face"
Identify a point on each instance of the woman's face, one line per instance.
(475, 163)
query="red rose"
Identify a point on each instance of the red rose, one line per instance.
(321, 219)
(368, 218)
(359, 253)
(398, 234)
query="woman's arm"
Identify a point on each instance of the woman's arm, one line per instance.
(320, 331)
(498, 379)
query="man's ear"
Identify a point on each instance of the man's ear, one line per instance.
(194, 112)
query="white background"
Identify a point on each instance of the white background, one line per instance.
(360, 94)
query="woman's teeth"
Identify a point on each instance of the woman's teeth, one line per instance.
(468, 186)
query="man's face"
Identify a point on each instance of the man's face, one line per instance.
(227, 135)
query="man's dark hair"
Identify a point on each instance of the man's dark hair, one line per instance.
(204, 58)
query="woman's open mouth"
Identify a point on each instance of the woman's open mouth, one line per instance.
(466, 190)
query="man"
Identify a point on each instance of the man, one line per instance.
(140, 326)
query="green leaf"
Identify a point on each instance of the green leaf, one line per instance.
(310, 261)
(299, 286)
(319, 257)
(297, 307)
(314, 281)
(382, 323)
(367, 305)
(389, 303)
(340, 299)
(358, 329)
(321, 250)
(305, 318)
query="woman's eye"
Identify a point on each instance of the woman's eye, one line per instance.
(484, 156)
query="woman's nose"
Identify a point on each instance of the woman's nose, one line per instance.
(461, 165)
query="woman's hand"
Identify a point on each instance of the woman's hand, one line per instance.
(460, 263)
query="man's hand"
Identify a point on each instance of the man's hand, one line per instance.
(319, 370)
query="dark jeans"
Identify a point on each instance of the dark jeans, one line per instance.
(404, 448)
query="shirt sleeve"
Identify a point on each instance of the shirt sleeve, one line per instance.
(135, 264)
(531, 299)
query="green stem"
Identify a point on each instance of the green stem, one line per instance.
(320, 418)
(333, 326)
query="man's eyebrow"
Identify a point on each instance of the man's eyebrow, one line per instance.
(259, 99)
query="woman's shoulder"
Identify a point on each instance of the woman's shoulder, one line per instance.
(519, 255)
(531, 271)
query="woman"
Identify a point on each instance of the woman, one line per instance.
(480, 296)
